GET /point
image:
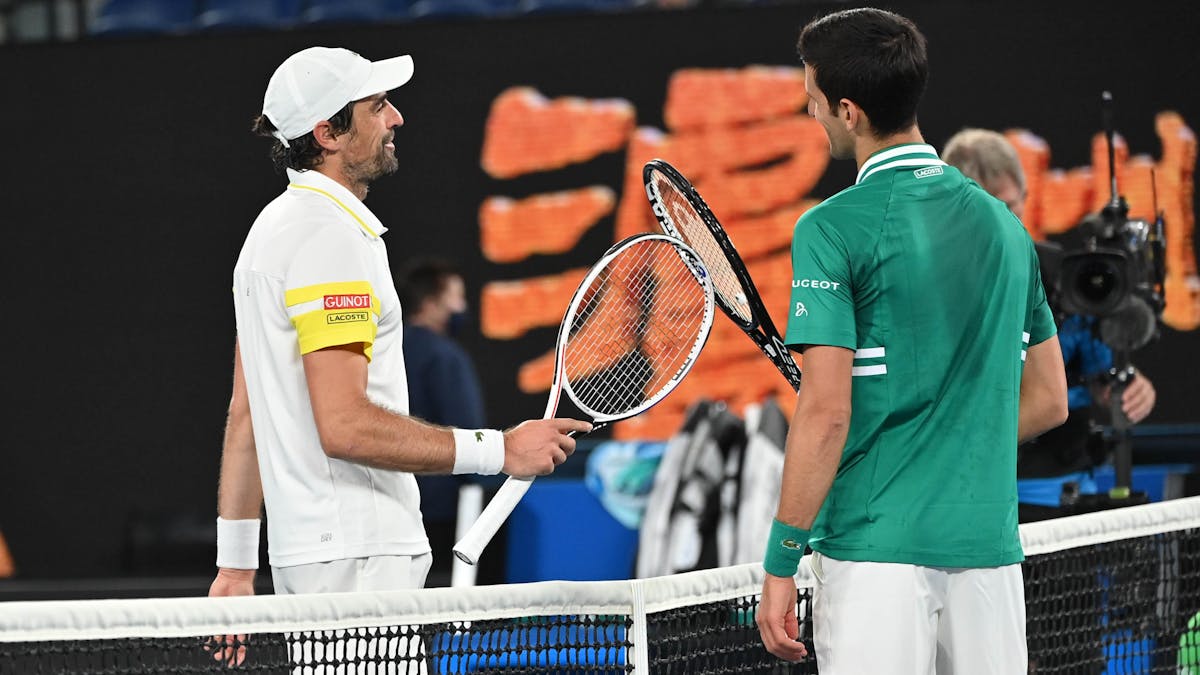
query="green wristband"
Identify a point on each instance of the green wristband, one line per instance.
(785, 548)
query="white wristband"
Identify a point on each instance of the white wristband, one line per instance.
(478, 451)
(237, 544)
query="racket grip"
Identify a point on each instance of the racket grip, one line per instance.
(470, 547)
(595, 426)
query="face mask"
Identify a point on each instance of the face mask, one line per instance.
(457, 323)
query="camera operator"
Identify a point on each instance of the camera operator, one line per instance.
(1056, 468)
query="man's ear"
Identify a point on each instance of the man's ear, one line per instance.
(853, 116)
(848, 113)
(325, 136)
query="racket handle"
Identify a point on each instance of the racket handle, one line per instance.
(470, 505)
(595, 426)
(470, 547)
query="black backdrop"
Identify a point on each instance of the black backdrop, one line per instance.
(130, 179)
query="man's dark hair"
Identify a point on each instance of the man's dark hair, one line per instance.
(302, 153)
(422, 279)
(872, 57)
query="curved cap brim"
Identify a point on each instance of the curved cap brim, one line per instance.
(386, 75)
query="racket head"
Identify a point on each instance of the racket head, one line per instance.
(634, 327)
(682, 212)
(689, 278)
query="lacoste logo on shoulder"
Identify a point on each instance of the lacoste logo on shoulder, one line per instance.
(336, 318)
(928, 171)
(478, 436)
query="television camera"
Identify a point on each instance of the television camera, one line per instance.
(1117, 279)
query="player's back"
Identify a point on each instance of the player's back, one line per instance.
(942, 280)
(956, 269)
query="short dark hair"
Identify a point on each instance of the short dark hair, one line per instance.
(872, 57)
(301, 153)
(421, 279)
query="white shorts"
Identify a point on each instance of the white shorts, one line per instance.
(891, 618)
(377, 573)
(312, 654)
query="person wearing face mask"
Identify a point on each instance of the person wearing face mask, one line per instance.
(443, 386)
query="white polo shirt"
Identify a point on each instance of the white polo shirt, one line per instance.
(314, 273)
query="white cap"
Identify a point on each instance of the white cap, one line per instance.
(314, 84)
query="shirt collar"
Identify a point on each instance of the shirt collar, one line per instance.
(906, 155)
(318, 183)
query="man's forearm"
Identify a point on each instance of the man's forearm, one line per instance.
(239, 491)
(373, 434)
(239, 495)
(815, 442)
(1036, 415)
(1030, 425)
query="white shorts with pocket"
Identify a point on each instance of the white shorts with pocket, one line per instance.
(333, 652)
(377, 573)
(893, 618)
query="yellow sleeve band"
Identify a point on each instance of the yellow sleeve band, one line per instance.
(339, 313)
(320, 329)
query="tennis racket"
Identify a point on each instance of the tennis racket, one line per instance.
(630, 334)
(682, 213)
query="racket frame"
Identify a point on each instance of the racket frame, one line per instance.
(470, 546)
(692, 261)
(760, 328)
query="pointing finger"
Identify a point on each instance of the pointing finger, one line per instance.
(566, 424)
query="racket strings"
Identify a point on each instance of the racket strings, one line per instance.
(692, 229)
(640, 323)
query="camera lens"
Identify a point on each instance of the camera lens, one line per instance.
(1096, 281)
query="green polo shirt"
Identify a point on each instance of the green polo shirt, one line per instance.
(935, 285)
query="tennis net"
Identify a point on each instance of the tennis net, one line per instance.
(1109, 592)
